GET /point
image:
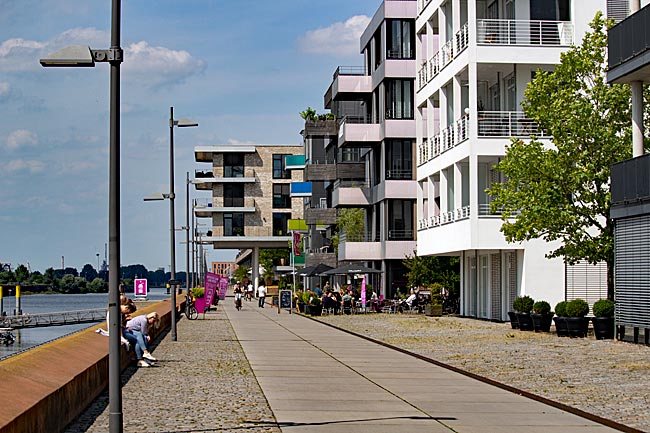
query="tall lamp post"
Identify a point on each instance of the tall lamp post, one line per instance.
(187, 232)
(181, 123)
(75, 56)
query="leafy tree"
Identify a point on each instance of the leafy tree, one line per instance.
(240, 273)
(88, 272)
(7, 277)
(561, 192)
(98, 286)
(308, 114)
(49, 275)
(429, 270)
(67, 284)
(21, 273)
(71, 271)
(271, 256)
(350, 221)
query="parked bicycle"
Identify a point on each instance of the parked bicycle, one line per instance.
(190, 308)
(7, 337)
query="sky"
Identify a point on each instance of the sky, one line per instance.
(242, 69)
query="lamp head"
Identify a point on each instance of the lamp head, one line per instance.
(70, 56)
(185, 123)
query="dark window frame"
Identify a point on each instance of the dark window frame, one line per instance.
(281, 196)
(279, 167)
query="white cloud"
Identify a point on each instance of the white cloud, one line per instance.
(21, 165)
(235, 141)
(159, 65)
(21, 138)
(338, 38)
(4, 89)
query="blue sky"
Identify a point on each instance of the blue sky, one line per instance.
(243, 69)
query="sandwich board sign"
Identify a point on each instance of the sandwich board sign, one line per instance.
(140, 287)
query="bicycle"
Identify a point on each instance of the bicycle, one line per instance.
(190, 308)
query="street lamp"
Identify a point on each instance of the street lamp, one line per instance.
(83, 56)
(181, 123)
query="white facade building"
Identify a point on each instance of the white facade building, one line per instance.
(475, 58)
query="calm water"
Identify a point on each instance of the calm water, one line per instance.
(35, 304)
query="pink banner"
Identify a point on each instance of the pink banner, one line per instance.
(140, 287)
(223, 286)
(296, 244)
(211, 282)
(363, 292)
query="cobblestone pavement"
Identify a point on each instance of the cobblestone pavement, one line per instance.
(179, 394)
(607, 378)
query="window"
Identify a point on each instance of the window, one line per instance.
(280, 222)
(401, 39)
(400, 220)
(233, 224)
(281, 196)
(233, 165)
(279, 170)
(233, 195)
(399, 99)
(511, 92)
(399, 160)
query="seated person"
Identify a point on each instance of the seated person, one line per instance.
(409, 301)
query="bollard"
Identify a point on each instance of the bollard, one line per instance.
(2, 302)
(18, 311)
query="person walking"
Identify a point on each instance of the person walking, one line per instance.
(261, 294)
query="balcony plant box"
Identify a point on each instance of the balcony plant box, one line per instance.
(577, 323)
(603, 319)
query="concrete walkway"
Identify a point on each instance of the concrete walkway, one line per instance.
(318, 379)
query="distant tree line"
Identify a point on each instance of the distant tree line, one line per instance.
(69, 280)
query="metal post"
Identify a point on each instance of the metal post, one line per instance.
(114, 350)
(172, 222)
(187, 233)
(193, 247)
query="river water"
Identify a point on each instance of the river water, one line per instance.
(34, 304)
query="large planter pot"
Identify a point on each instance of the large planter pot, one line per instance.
(541, 322)
(560, 326)
(525, 321)
(577, 326)
(316, 310)
(432, 310)
(513, 320)
(301, 307)
(603, 327)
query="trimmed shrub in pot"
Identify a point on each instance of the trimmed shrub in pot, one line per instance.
(560, 319)
(603, 319)
(577, 323)
(523, 305)
(542, 316)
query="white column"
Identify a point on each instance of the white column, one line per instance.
(637, 118)
(255, 271)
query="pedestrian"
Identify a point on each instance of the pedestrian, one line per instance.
(261, 294)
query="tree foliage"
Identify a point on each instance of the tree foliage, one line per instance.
(350, 221)
(428, 270)
(561, 192)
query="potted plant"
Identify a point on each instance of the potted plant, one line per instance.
(300, 303)
(523, 305)
(315, 306)
(560, 319)
(603, 319)
(542, 316)
(433, 304)
(305, 301)
(577, 323)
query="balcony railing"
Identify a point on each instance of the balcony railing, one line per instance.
(445, 55)
(422, 4)
(399, 174)
(359, 237)
(448, 138)
(445, 218)
(484, 209)
(349, 70)
(525, 32)
(220, 202)
(356, 119)
(351, 184)
(507, 124)
(400, 235)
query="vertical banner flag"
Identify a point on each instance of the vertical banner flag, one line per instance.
(223, 286)
(296, 244)
(140, 287)
(211, 281)
(363, 292)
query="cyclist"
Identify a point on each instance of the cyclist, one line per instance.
(238, 295)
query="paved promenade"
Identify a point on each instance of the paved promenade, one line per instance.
(291, 374)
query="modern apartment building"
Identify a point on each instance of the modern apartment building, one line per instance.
(223, 268)
(475, 58)
(251, 202)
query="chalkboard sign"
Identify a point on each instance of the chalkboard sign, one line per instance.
(285, 299)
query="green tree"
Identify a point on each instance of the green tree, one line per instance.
(350, 221)
(271, 256)
(561, 192)
(22, 274)
(240, 273)
(429, 270)
(7, 277)
(98, 286)
(88, 272)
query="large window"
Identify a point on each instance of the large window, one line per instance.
(233, 165)
(280, 222)
(399, 160)
(233, 195)
(400, 220)
(281, 196)
(399, 99)
(279, 170)
(233, 224)
(401, 39)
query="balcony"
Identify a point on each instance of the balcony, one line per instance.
(448, 138)
(205, 208)
(346, 80)
(320, 127)
(206, 153)
(524, 32)
(300, 189)
(317, 256)
(245, 237)
(350, 193)
(358, 129)
(205, 179)
(294, 162)
(443, 218)
(629, 42)
(447, 53)
(507, 124)
(330, 171)
(366, 246)
(320, 215)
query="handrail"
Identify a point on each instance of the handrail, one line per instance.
(524, 32)
(445, 55)
(349, 70)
